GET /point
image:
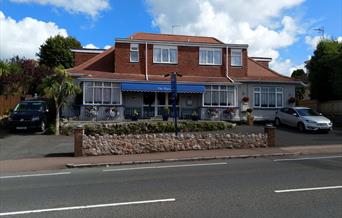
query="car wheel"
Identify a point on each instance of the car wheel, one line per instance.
(277, 122)
(301, 127)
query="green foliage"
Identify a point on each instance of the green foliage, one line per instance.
(59, 87)
(298, 74)
(20, 76)
(56, 51)
(325, 69)
(156, 127)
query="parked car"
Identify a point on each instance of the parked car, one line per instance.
(303, 118)
(29, 114)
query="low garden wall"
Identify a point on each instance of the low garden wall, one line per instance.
(148, 137)
(93, 145)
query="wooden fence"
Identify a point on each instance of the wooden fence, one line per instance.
(7, 102)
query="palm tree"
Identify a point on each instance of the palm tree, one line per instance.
(59, 87)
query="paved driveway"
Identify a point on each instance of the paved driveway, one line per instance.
(287, 136)
(31, 145)
(19, 146)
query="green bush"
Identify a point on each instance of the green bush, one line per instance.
(156, 127)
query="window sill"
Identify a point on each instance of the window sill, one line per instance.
(211, 65)
(165, 63)
(267, 108)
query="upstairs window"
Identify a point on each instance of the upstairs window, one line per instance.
(134, 53)
(165, 54)
(210, 56)
(236, 57)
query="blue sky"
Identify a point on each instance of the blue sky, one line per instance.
(280, 29)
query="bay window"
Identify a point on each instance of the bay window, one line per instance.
(268, 97)
(219, 96)
(102, 93)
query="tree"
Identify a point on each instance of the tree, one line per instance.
(325, 71)
(59, 87)
(301, 75)
(20, 76)
(56, 51)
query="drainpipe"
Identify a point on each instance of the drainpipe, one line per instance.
(146, 73)
(227, 66)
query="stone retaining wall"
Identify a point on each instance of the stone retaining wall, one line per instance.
(148, 143)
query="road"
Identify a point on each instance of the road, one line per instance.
(263, 187)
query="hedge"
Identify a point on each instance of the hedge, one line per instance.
(155, 127)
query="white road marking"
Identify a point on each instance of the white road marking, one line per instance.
(308, 158)
(161, 167)
(87, 207)
(307, 189)
(34, 175)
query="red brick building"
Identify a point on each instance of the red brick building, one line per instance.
(130, 76)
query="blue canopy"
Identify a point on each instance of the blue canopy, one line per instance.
(161, 87)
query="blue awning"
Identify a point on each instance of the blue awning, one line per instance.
(160, 87)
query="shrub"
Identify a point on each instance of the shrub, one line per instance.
(156, 127)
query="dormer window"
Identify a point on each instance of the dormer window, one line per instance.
(134, 53)
(210, 56)
(236, 57)
(165, 54)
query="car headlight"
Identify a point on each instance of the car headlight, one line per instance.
(35, 118)
(310, 121)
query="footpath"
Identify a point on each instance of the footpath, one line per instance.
(54, 163)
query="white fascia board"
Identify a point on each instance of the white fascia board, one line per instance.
(125, 40)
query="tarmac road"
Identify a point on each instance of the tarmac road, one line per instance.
(263, 187)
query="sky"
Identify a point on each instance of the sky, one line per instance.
(283, 30)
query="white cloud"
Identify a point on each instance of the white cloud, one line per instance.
(339, 39)
(286, 67)
(89, 7)
(312, 41)
(24, 37)
(259, 23)
(107, 47)
(91, 46)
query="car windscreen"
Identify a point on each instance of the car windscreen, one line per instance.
(307, 112)
(29, 106)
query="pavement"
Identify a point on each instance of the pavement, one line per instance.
(303, 187)
(38, 164)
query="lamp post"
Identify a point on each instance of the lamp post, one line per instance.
(174, 96)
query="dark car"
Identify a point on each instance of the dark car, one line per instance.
(29, 114)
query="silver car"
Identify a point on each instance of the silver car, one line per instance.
(303, 118)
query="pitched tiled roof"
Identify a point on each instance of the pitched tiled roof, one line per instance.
(175, 38)
(258, 72)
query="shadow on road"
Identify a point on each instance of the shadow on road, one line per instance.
(68, 154)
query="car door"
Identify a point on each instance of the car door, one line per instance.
(292, 117)
(283, 115)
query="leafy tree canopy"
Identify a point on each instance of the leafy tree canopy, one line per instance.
(56, 51)
(325, 71)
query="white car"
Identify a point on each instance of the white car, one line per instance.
(303, 118)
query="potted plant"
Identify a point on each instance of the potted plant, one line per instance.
(212, 113)
(111, 112)
(229, 112)
(194, 116)
(291, 100)
(166, 113)
(135, 115)
(91, 112)
(250, 117)
(245, 99)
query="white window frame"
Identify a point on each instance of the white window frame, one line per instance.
(231, 57)
(168, 48)
(93, 86)
(134, 48)
(219, 96)
(268, 99)
(206, 50)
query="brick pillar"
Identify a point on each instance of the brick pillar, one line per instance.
(270, 132)
(78, 141)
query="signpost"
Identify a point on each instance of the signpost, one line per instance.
(174, 97)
